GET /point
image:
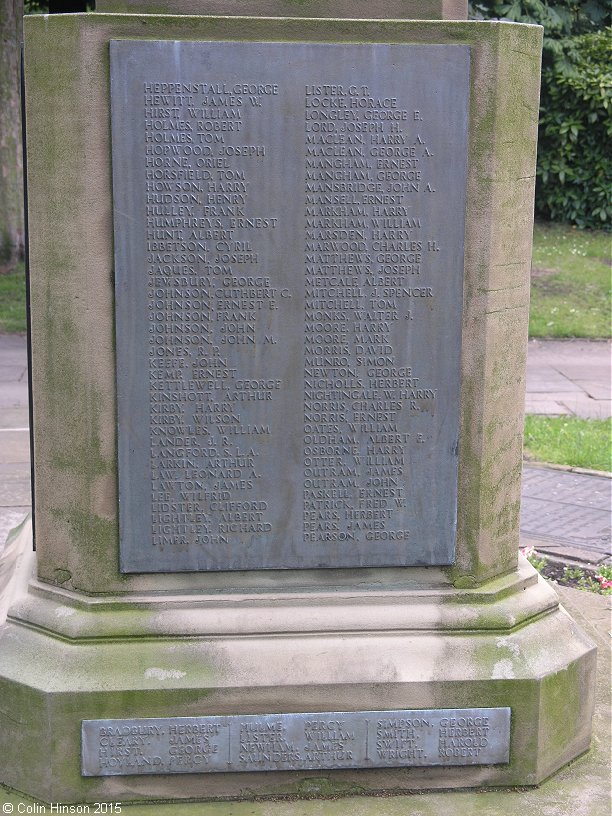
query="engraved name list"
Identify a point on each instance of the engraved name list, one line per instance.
(353, 739)
(289, 259)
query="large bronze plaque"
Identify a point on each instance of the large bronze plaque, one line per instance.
(289, 226)
(291, 742)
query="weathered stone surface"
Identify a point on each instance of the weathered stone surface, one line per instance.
(192, 656)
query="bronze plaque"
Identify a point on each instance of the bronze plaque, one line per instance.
(289, 224)
(293, 742)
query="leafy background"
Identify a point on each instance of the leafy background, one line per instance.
(574, 173)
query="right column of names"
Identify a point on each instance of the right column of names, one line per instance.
(369, 404)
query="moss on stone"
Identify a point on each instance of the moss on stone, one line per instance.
(561, 713)
(325, 786)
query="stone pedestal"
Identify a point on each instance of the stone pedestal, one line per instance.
(87, 641)
(408, 643)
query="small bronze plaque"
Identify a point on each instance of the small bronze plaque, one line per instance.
(293, 742)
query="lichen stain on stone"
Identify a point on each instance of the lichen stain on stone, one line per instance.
(507, 643)
(503, 670)
(61, 576)
(323, 786)
(93, 536)
(155, 673)
(64, 612)
(465, 582)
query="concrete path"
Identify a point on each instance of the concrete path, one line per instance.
(15, 498)
(564, 514)
(569, 377)
(567, 515)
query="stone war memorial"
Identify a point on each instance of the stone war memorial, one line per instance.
(279, 283)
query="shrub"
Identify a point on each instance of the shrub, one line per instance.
(574, 172)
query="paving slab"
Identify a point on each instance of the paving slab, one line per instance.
(545, 381)
(567, 487)
(11, 346)
(15, 494)
(13, 395)
(13, 418)
(578, 404)
(15, 445)
(567, 514)
(595, 390)
(15, 484)
(544, 405)
(12, 372)
(575, 375)
(587, 408)
(565, 352)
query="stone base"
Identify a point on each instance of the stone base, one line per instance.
(65, 657)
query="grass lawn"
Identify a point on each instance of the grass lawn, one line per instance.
(584, 443)
(12, 301)
(570, 282)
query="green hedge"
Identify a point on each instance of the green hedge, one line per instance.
(574, 178)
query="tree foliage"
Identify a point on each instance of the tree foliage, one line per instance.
(574, 176)
(58, 6)
(560, 18)
(573, 172)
